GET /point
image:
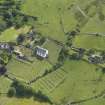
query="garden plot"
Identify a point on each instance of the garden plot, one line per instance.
(26, 51)
(11, 33)
(53, 49)
(48, 83)
(26, 71)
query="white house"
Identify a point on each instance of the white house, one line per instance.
(41, 52)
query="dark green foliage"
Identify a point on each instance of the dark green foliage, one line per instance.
(2, 70)
(22, 90)
(40, 41)
(75, 56)
(19, 89)
(11, 92)
(20, 39)
(11, 15)
(103, 55)
(3, 25)
(41, 97)
(72, 33)
(5, 56)
(103, 70)
(90, 52)
(46, 72)
(63, 54)
(69, 41)
(57, 66)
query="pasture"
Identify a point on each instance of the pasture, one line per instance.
(54, 17)
(86, 40)
(27, 71)
(82, 82)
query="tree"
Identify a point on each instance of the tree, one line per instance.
(22, 90)
(42, 97)
(75, 56)
(3, 70)
(63, 54)
(103, 69)
(90, 52)
(42, 40)
(20, 39)
(103, 54)
(3, 25)
(11, 92)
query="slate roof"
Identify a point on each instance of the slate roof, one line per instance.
(41, 52)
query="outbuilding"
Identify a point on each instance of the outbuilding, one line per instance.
(95, 59)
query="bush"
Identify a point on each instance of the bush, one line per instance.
(63, 54)
(20, 39)
(2, 70)
(20, 89)
(11, 92)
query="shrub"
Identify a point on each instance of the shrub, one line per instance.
(41, 97)
(3, 70)
(11, 92)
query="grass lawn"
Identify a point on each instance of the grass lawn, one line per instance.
(11, 34)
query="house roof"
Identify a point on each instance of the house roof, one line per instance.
(41, 51)
(4, 46)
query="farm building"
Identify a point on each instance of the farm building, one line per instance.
(4, 46)
(18, 53)
(95, 59)
(41, 52)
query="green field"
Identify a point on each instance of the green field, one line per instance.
(27, 71)
(91, 41)
(48, 14)
(78, 84)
